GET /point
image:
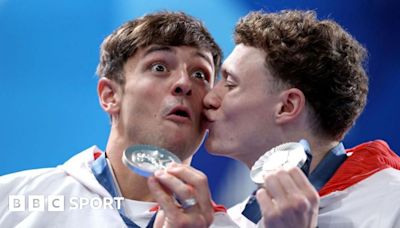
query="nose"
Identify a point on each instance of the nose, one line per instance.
(212, 100)
(183, 86)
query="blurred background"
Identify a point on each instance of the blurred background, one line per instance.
(49, 52)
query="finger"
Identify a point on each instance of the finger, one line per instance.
(174, 215)
(190, 176)
(300, 178)
(305, 185)
(165, 200)
(300, 194)
(194, 178)
(265, 201)
(274, 187)
(160, 219)
(181, 190)
(282, 189)
(270, 211)
(287, 182)
(198, 180)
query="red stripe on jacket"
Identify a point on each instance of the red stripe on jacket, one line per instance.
(364, 160)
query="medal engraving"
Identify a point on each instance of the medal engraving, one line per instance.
(146, 159)
(284, 156)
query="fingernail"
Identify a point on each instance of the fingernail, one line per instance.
(159, 173)
(172, 164)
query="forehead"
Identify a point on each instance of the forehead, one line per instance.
(243, 56)
(246, 61)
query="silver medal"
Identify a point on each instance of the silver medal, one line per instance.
(287, 155)
(146, 159)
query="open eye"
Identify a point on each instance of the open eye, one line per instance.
(158, 67)
(199, 75)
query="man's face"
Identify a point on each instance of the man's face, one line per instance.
(162, 98)
(240, 107)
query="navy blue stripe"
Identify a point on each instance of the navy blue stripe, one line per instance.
(104, 176)
(328, 166)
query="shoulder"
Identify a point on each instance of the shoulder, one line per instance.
(45, 179)
(375, 195)
(27, 180)
(75, 173)
(72, 180)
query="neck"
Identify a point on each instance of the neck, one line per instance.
(320, 149)
(132, 186)
(320, 144)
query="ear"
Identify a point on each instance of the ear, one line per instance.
(292, 104)
(109, 96)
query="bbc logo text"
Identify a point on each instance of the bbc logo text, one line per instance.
(60, 203)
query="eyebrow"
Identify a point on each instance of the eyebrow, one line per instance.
(157, 48)
(225, 72)
(204, 57)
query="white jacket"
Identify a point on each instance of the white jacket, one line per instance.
(75, 182)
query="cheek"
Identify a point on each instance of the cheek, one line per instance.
(140, 104)
(143, 85)
(197, 99)
(242, 115)
(236, 125)
(230, 121)
(200, 92)
(233, 110)
(144, 92)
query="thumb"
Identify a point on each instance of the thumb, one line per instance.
(160, 219)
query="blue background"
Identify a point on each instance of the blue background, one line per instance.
(49, 52)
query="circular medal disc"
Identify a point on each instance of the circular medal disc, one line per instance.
(285, 156)
(146, 159)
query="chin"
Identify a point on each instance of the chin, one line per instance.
(213, 147)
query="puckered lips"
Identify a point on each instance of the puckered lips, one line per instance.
(208, 119)
(180, 114)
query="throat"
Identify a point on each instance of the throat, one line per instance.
(130, 185)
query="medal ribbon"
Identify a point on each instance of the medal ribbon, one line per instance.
(102, 172)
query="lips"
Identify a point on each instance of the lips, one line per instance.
(208, 120)
(209, 115)
(180, 114)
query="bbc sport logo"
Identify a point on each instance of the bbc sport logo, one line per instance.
(59, 203)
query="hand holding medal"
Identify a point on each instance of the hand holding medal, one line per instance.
(285, 192)
(181, 191)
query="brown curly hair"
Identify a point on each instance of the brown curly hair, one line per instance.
(316, 56)
(162, 28)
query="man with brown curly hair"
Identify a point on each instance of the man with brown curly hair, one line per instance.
(292, 77)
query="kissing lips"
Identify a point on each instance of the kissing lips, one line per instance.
(207, 122)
